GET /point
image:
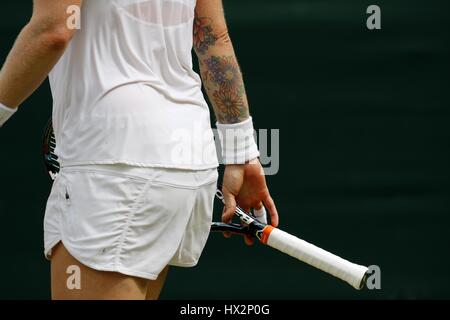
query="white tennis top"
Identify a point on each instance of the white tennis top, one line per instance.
(125, 91)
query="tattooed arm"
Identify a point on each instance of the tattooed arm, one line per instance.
(224, 85)
(219, 68)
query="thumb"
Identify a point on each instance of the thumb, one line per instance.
(230, 207)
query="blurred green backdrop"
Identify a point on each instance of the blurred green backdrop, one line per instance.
(364, 171)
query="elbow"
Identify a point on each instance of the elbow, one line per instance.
(51, 36)
(56, 40)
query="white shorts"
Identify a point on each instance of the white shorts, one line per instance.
(130, 220)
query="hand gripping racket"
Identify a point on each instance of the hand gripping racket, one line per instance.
(354, 274)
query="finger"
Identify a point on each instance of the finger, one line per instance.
(259, 206)
(248, 240)
(246, 209)
(230, 207)
(227, 234)
(270, 205)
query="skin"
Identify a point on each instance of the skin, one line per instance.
(224, 84)
(221, 75)
(99, 285)
(40, 45)
(246, 185)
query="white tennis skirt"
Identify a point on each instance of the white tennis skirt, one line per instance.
(130, 220)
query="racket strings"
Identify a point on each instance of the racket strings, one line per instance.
(48, 150)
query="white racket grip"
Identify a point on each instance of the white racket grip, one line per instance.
(317, 257)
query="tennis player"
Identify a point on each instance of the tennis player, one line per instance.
(134, 138)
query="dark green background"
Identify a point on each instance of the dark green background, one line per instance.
(364, 126)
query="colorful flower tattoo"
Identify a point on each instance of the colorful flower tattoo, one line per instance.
(203, 35)
(228, 93)
(224, 71)
(230, 105)
(221, 75)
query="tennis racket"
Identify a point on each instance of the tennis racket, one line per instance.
(354, 274)
(48, 151)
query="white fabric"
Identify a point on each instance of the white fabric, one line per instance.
(125, 91)
(5, 114)
(130, 220)
(317, 257)
(237, 142)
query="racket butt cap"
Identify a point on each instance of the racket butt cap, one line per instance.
(363, 282)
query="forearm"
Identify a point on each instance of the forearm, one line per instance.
(220, 72)
(32, 57)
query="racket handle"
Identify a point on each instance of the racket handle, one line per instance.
(353, 274)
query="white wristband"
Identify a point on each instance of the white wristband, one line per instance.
(237, 142)
(5, 113)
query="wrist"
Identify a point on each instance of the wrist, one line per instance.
(5, 113)
(238, 145)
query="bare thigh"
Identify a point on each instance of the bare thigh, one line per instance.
(71, 280)
(155, 286)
